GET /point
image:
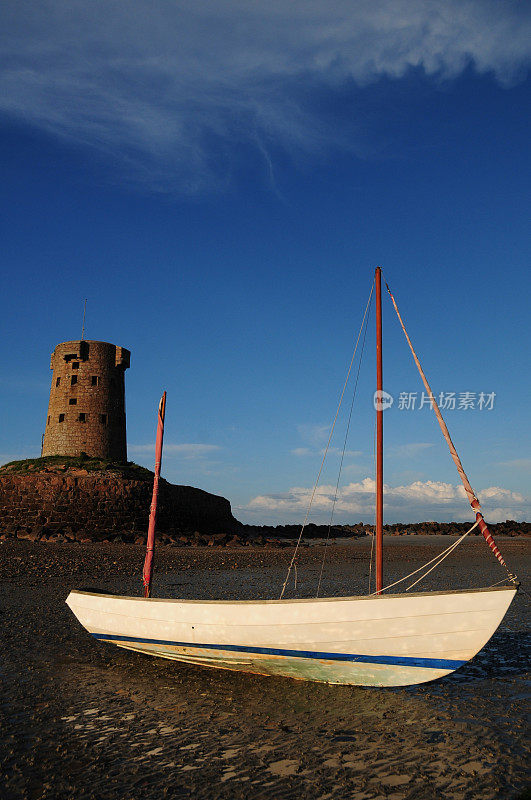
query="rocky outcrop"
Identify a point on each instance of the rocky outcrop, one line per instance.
(86, 506)
(312, 531)
(82, 499)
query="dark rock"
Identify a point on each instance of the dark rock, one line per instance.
(101, 505)
(30, 535)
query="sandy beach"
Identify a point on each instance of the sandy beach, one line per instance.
(81, 719)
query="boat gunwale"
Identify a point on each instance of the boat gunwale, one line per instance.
(287, 601)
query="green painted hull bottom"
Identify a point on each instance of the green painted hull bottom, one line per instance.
(307, 669)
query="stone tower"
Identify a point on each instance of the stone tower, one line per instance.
(86, 413)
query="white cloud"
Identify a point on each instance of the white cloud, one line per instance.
(523, 464)
(337, 451)
(410, 450)
(314, 434)
(12, 385)
(26, 451)
(172, 89)
(183, 450)
(417, 501)
(332, 451)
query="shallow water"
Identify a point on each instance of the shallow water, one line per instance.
(88, 720)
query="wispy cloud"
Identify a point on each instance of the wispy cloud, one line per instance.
(332, 451)
(314, 434)
(410, 450)
(11, 385)
(417, 501)
(171, 90)
(523, 464)
(25, 452)
(191, 450)
(315, 437)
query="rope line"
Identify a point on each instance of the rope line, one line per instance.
(473, 500)
(370, 560)
(450, 550)
(373, 532)
(342, 455)
(438, 558)
(326, 449)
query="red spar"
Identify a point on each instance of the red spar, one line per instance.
(148, 563)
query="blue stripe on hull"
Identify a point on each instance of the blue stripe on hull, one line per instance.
(404, 661)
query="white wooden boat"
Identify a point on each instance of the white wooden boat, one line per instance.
(384, 640)
(374, 640)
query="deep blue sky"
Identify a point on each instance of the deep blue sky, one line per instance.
(233, 253)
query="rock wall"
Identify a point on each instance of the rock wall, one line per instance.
(86, 507)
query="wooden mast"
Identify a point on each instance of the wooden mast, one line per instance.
(150, 547)
(379, 434)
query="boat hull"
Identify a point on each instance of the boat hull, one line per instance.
(387, 640)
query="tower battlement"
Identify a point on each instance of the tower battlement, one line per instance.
(86, 412)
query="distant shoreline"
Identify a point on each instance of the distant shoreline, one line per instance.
(431, 528)
(267, 535)
(83, 500)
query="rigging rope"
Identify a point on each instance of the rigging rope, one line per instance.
(473, 500)
(343, 454)
(438, 558)
(327, 446)
(373, 532)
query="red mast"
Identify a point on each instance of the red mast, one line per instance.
(379, 434)
(148, 563)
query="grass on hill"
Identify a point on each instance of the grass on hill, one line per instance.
(64, 463)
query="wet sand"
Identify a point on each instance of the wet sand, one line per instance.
(80, 719)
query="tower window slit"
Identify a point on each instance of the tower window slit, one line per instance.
(61, 417)
(72, 401)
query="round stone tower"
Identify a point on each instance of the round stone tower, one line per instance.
(86, 413)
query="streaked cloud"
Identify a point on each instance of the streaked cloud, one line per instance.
(523, 464)
(332, 451)
(315, 437)
(26, 451)
(314, 434)
(171, 91)
(410, 450)
(185, 450)
(417, 501)
(12, 385)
